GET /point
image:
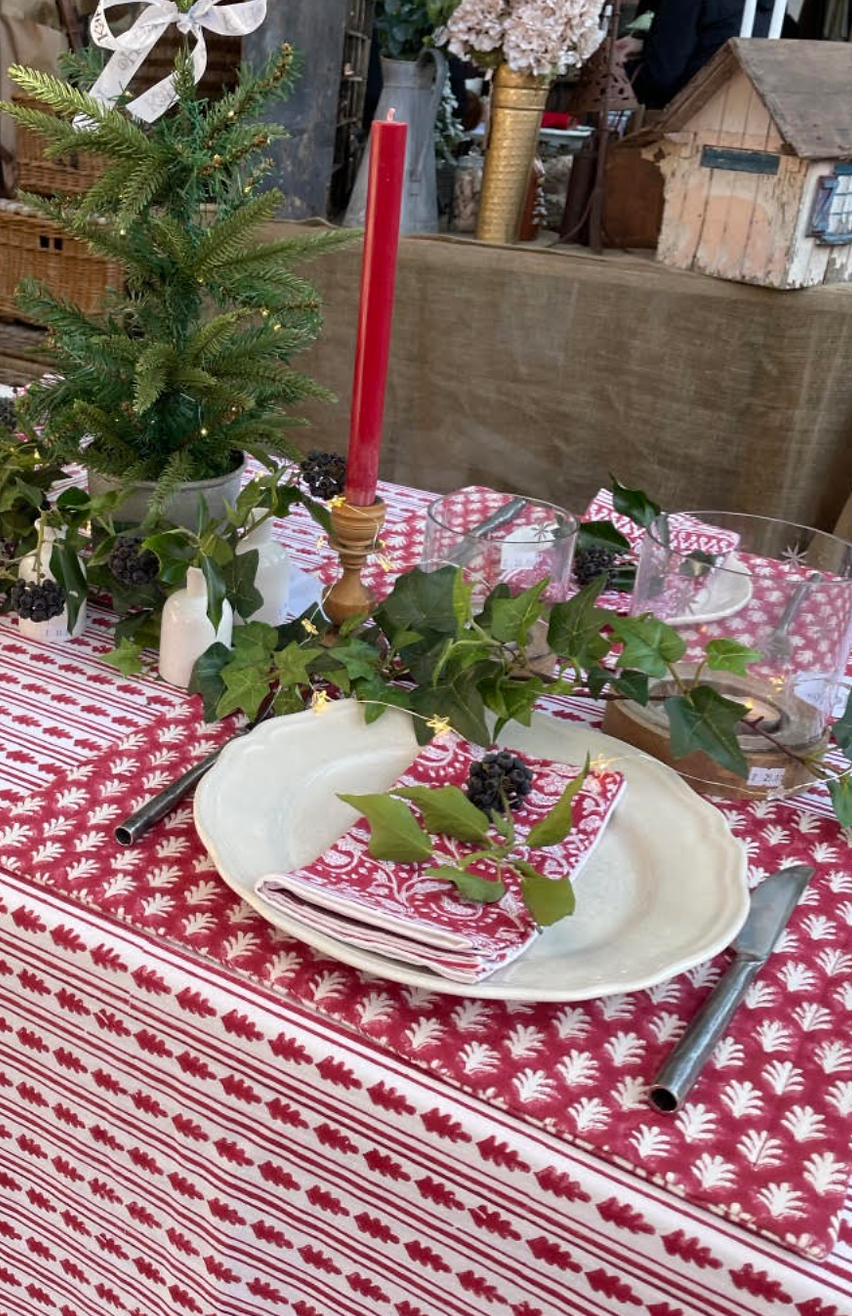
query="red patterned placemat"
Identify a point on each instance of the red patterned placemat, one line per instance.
(764, 1139)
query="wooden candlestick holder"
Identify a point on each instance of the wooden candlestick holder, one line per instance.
(355, 532)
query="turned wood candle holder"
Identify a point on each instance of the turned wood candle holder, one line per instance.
(355, 533)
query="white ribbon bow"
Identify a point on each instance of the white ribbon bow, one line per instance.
(133, 47)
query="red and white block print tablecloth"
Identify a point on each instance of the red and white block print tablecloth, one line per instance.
(198, 1114)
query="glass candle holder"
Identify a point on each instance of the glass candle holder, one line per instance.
(782, 589)
(498, 538)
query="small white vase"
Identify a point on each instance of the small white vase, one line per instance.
(272, 579)
(35, 566)
(186, 630)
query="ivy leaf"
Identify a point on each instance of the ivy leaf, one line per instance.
(216, 590)
(730, 656)
(206, 679)
(126, 658)
(602, 534)
(513, 617)
(394, 831)
(842, 729)
(597, 680)
(704, 719)
(547, 898)
(632, 684)
(358, 657)
(649, 644)
(840, 790)
(420, 601)
(174, 551)
(294, 664)
(511, 700)
(574, 631)
(239, 575)
(556, 824)
(462, 599)
(245, 690)
(457, 698)
(67, 569)
(447, 810)
(288, 700)
(633, 503)
(142, 627)
(484, 890)
(255, 636)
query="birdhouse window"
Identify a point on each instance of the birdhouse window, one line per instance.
(831, 221)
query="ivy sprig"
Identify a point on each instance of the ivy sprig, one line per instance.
(399, 835)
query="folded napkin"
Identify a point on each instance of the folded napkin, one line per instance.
(396, 910)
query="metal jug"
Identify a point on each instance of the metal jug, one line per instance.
(413, 89)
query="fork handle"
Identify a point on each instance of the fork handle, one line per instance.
(129, 831)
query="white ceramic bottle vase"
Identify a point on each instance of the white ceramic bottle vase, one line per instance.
(272, 580)
(186, 630)
(35, 566)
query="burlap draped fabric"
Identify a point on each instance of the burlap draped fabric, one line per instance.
(30, 33)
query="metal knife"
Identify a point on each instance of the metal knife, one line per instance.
(772, 903)
(129, 831)
(461, 556)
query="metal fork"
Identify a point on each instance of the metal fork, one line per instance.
(777, 647)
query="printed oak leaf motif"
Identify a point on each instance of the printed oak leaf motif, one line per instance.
(68, 1171)
(826, 1173)
(545, 1249)
(438, 1193)
(104, 1138)
(67, 1116)
(330, 1136)
(73, 1222)
(500, 1153)
(67, 939)
(759, 1284)
(225, 1211)
(387, 1098)
(381, 1163)
(366, 1287)
(194, 1065)
(286, 1113)
(231, 1151)
(375, 1228)
(427, 1256)
(185, 1187)
(533, 1085)
(287, 1048)
(152, 1044)
(269, 1234)
(493, 1222)
(688, 1248)
(561, 1185)
(423, 1033)
(312, 1256)
(478, 1284)
(444, 1125)
(839, 1095)
(239, 1025)
(476, 1057)
(624, 1216)
(759, 1148)
(189, 1128)
(602, 1281)
(238, 1087)
(377, 1006)
(276, 1174)
(261, 1288)
(148, 980)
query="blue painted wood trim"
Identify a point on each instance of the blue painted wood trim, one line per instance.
(744, 162)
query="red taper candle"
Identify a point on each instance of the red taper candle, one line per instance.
(375, 315)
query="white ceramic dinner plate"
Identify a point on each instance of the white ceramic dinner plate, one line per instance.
(728, 590)
(664, 889)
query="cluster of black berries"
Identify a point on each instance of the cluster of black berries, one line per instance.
(131, 565)
(589, 563)
(7, 413)
(37, 602)
(324, 473)
(498, 780)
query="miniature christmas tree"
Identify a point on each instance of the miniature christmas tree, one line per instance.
(188, 365)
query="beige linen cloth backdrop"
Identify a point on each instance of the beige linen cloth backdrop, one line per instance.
(30, 33)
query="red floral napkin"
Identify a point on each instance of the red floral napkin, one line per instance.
(397, 910)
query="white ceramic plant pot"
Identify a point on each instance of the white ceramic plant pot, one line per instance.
(186, 630)
(272, 579)
(55, 630)
(182, 507)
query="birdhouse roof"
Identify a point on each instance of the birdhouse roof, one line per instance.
(805, 86)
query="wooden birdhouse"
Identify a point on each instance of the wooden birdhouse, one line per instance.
(756, 154)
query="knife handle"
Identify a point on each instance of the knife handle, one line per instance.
(692, 1052)
(129, 831)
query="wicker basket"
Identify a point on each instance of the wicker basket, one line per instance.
(73, 173)
(32, 247)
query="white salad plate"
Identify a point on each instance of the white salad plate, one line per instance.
(728, 590)
(665, 888)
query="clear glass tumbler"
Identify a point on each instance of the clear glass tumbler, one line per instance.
(498, 538)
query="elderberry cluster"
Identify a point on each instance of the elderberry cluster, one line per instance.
(324, 473)
(131, 565)
(589, 563)
(498, 780)
(37, 602)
